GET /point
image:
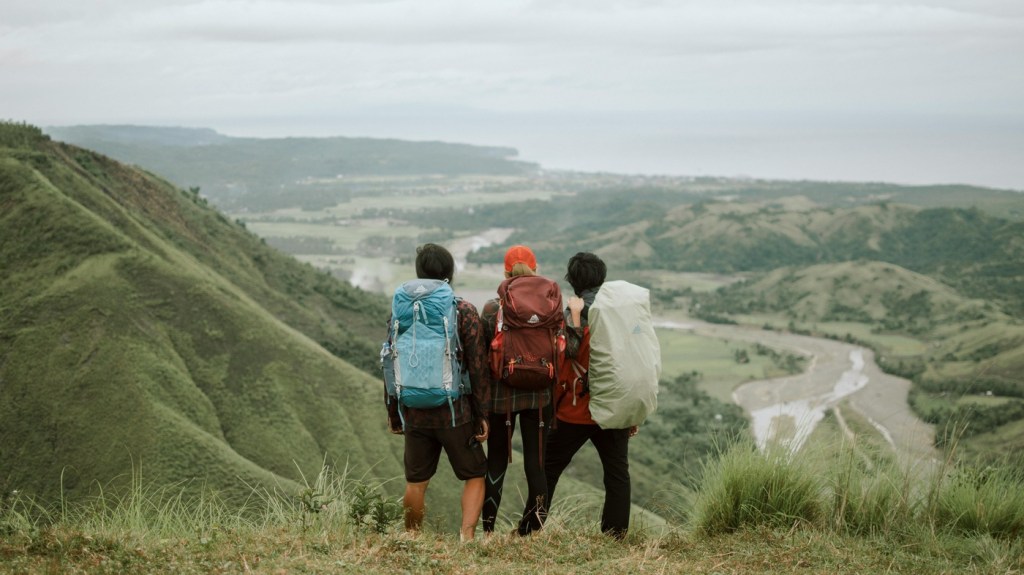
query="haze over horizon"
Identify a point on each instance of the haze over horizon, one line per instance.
(854, 90)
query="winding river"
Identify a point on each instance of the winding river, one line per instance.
(785, 410)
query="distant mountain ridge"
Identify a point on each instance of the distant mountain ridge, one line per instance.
(138, 135)
(226, 167)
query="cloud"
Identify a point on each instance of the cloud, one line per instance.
(231, 61)
(630, 27)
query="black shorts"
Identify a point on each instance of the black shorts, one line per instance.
(423, 450)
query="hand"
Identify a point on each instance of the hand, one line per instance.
(576, 304)
(396, 430)
(575, 310)
(484, 431)
(634, 430)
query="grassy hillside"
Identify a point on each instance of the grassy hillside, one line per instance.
(141, 328)
(882, 294)
(980, 255)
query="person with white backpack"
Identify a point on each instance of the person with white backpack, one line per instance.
(607, 384)
(437, 388)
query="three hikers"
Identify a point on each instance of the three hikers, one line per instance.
(540, 359)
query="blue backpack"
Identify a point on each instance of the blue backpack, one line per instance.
(421, 357)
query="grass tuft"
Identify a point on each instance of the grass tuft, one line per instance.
(987, 501)
(873, 495)
(745, 488)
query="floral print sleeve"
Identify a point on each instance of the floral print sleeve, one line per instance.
(474, 356)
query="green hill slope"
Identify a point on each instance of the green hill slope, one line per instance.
(138, 325)
(887, 295)
(979, 254)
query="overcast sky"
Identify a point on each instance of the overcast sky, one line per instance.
(915, 92)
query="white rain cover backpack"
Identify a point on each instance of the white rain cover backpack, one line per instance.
(625, 358)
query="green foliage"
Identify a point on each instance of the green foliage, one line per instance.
(336, 498)
(906, 367)
(974, 252)
(744, 488)
(712, 317)
(787, 362)
(982, 501)
(967, 346)
(911, 314)
(20, 135)
(368, 508)
(18, 516)
(838, 311)
(872, 496)
(977, 419)
(956, 388)
(869, 496)
(741, 356)
(964, 236)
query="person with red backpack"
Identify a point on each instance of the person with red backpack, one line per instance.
(573, 404)
(456, 419)
(526, 325)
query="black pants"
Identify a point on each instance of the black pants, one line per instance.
(613, 449)
(534, 433)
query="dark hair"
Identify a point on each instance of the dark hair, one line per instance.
(434, 262)
(585, 271)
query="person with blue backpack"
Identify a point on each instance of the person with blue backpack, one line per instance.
(437, 387)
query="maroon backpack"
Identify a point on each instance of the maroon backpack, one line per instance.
(528, 334)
